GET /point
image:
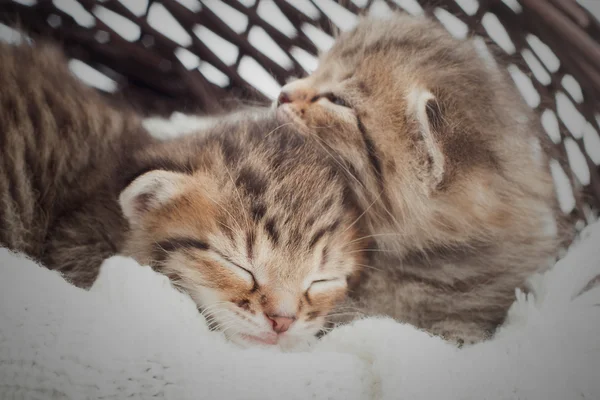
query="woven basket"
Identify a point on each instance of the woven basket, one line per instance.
(160, 56)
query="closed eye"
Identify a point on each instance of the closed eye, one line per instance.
(322, 280)
(239, 267)
(336, 100)
(184, 243)
(324, 283)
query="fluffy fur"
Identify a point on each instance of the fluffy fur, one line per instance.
(448, 163)
(404, 155)
(253, 222)
(248, 218)
(60, 151)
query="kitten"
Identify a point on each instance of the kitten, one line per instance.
(447, 161)
(59, 145)
(253, 223)
(247, 217)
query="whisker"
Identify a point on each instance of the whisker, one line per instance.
(375, 235)
(231, 326)
(245, 102)
(226, 226)
(324, 146)
(347, 308)
(337, 314)
(371, 250)
(326, 330)
(239, 196)
(363, 213)
(212, 311)
(280, 126)
(210, 307)
(370, 267)
(214, 314)
(224, 209)
(396, 223)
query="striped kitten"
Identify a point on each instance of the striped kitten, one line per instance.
(447, 161)
(248, 218)
(59, 144)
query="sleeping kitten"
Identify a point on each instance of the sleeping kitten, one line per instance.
(59, 145)
(252, 222)
(248, 217)
(449, 164)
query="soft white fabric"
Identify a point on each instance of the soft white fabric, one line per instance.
(134, 336)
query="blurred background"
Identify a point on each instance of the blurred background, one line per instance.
(205, 57)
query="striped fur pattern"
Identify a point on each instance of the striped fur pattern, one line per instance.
(253, 222)
(448, 163)
(59, 144)
(248, 218)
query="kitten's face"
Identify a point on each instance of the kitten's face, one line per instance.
(360, 103)
(385, 80)
(360, 87)
(265, 252)
(405, 109)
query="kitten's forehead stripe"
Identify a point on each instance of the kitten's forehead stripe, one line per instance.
(228, 231)
(258, 210)
(324, 257)
(252, 181)
(272, 231)
(296, 237)
(372, 151)
(250, 245)
(321, 232)
(328, 204)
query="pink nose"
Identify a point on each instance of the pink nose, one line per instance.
(283, 98)
(280, 324)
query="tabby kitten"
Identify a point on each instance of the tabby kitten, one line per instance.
(447, 161)
(248, 218)
(59, 145)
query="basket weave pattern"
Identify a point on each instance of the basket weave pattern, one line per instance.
(200, 56)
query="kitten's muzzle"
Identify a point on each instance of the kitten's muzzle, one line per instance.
(280, 324)
(283, 99)
(299, 92)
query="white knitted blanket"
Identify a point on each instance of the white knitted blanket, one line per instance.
(135, 337)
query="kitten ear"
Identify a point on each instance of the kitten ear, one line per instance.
(424, 109)
(150, 191)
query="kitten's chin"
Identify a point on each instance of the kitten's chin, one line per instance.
(245, 340)
(264, 340)
(282, 342)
